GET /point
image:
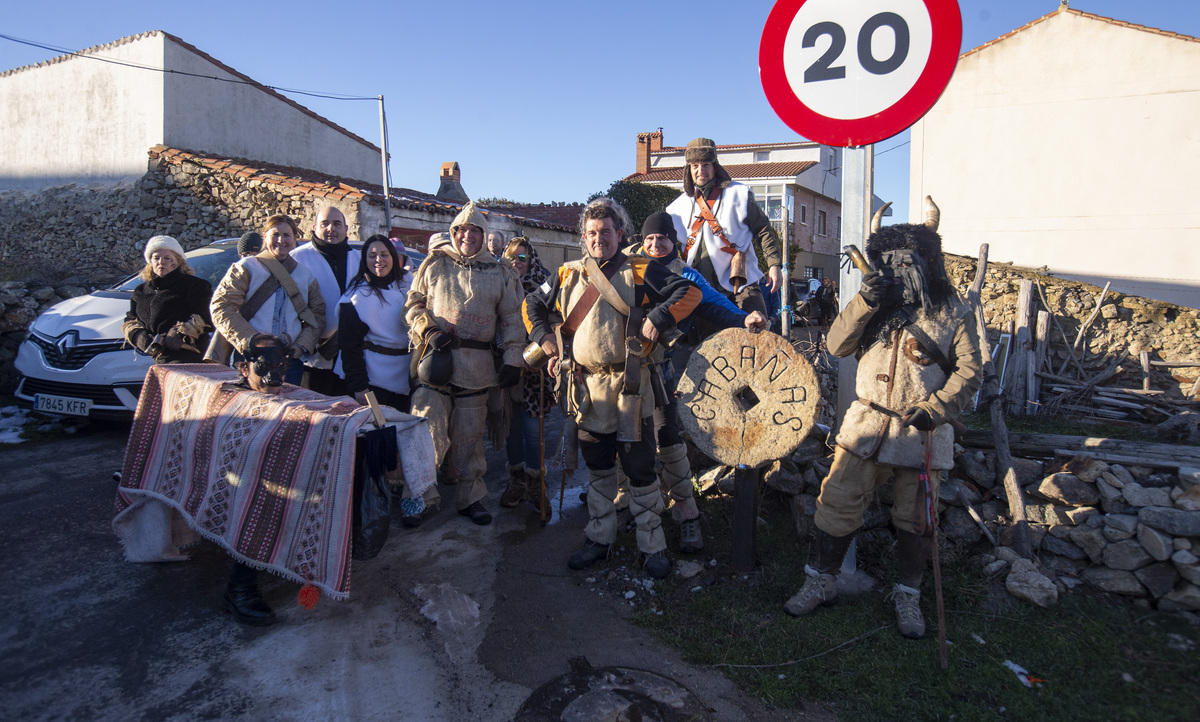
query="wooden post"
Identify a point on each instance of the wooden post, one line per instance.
(1021, 343)
(745, 517)
(1032, 382)
(1144, 357)
(991, 392)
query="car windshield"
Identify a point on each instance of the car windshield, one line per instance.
(209, 263)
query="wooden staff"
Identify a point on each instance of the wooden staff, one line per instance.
(926, 478)
(542, 445)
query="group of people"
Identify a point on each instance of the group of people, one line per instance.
(613, 330)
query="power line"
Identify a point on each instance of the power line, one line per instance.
(139, 66)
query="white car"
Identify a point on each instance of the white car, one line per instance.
(75, 361)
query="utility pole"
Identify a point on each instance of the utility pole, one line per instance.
(387, 205)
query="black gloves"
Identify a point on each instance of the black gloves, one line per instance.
(874, 285)
(439, 340)
(918, 418)
(509, 376)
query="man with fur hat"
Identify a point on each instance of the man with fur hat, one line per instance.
(615, 307)
(918, 369)
(660, 244)
(461, 301)
(724, 228)
(334, 264)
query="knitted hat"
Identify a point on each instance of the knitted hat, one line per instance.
(661, 224)
(160, 243)
(250, 243)
(700, 150)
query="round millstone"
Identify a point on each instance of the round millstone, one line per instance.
(748, 398)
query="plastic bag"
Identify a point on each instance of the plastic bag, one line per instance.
(373, 497)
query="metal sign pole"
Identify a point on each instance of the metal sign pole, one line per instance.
(858, 172)
(785, 296)
(387, 205)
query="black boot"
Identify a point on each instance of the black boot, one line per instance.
(912, 556)
(243, 600)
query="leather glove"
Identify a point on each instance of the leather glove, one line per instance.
(874, 285)
(439, 340)
(918, 418)
(509, 376)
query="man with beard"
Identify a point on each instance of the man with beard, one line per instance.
(614, 308)
(461, 301)
(918, 368)
(724, 229)
(334, 263)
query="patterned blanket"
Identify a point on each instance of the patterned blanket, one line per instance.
(269, 478)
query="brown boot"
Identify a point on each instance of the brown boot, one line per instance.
(820, 589)
(534, 493)
(516, 486)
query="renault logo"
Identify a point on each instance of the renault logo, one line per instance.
(66, 343)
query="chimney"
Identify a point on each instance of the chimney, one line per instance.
(449, 187)
(647, 143)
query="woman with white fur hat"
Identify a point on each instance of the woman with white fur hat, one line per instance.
(168, 315)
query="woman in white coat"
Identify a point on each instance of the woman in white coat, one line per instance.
(372, 333)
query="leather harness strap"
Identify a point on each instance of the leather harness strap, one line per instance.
(706, 215)
(590, 294)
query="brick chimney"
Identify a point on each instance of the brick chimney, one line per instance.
(646, 144)
(449, 187)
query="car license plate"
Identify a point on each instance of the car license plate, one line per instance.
(62, 405)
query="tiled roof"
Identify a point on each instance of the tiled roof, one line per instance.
(741, 171)
(739, 146)
(188, 46)
(320, 185)
(565, 215)
(1080, 13)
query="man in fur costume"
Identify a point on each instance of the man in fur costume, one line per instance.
(725, 230)
(614, 308)
(462, 300)
(918, 369)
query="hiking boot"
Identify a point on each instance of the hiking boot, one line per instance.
(517, 487)
(477, 513)
(690, 539)
(588, 554)
(658, 565)
(819, 590)
(534, 494)
(908, 611)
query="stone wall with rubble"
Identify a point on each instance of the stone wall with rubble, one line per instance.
(1126, 324)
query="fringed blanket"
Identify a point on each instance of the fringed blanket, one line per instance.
(267, 477)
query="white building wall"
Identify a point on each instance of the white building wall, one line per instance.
(1072, 144)
(80, 119)
(243, 121)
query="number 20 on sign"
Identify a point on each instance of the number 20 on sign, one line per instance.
(853, 72)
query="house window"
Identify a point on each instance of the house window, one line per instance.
(811, 272)
(837, 227)
(821, 231)
(804, 214)
(762, 156)
(770, 199)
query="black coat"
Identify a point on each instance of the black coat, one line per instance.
(160, 303)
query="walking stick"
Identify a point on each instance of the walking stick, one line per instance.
(542, 501)
(924, 478)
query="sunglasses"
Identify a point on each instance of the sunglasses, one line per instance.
(521, 257)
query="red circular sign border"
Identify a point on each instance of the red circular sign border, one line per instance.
(946, 19)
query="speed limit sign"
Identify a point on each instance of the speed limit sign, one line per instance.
(853, 72)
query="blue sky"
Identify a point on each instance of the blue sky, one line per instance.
(538, 100)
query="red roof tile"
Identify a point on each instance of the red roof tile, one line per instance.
(742, 171)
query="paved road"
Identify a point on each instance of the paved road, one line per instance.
(450, 622)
